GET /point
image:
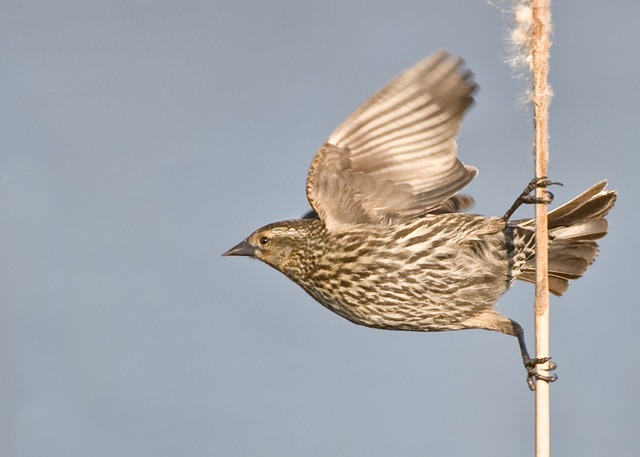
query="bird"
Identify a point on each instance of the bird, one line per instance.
(388, 243)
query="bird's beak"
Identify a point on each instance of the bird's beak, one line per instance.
(243, 248)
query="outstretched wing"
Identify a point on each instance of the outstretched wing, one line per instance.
(395, 156)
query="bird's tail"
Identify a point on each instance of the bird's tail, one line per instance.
(573, 229)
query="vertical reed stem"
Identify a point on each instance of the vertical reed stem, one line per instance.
(540, 44)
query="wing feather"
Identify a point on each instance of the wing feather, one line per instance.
(395, 157)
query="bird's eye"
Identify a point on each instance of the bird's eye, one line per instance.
(264, 240)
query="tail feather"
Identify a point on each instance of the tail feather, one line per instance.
(573, 229)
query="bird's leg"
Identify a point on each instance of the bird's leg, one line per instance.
(531, 364)
(527, 197)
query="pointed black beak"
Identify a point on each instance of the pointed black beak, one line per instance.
(242, 248)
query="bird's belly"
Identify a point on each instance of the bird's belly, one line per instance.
(404, 301)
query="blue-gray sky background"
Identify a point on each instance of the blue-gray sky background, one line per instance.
(141, 139)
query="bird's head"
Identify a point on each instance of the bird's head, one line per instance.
(282, 245)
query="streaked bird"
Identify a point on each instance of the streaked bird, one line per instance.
(386, 244)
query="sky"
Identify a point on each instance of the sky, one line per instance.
(141, 139)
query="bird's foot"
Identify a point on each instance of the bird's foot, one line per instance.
(534, 375)
(528, 195)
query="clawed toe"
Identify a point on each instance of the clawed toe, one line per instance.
(542, 182)
(532, 378)
(532, 363)
(531, 199)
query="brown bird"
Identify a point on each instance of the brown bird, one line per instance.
(385, 246)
